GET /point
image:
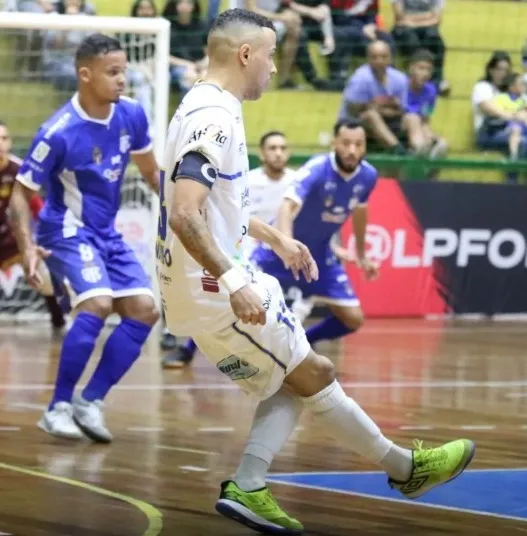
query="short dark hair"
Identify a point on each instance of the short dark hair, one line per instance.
(510, 79)
(423, 54)
(243, 16)
(269, 134)
(3, 123)
(94, 45)
(346, 123)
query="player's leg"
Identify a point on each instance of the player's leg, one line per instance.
(411, 472)
(181, 356)
(134, 302)
(48, 289)
(77, 260)
(334, 290)
(312, 380)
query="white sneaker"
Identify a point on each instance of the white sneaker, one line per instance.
(90, 419)
(59, 422)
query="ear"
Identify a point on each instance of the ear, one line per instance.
(244, 53)
(84, 74)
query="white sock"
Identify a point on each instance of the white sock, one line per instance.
(273, 423)
(349, 423)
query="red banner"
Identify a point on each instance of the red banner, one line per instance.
(408, 284)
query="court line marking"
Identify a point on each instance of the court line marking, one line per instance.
(498, 384)
(187, 450)
(150, 429)
(152, 514)
(216, 429)
(9, 428)
(194, 468)
(390, 499)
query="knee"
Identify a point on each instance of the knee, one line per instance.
(370, 116)
(323, 371)
(100, 306)
(145, 311)
(324, 8)
(354, 318)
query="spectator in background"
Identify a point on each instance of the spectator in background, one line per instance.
(188, 39)
(355, 27)
(140, 52)
(483, 107)
(422, 96)
(524, 61)
(317, 25)
(377, 94)
(59, 51)
(293, 40)
(512, 101)
(417, 26)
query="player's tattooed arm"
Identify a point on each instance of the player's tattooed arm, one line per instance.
(187, 221)
(20, 215)
(148, 168)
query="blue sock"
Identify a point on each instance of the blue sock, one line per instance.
(76, 351)
(119, 353)
(327, 329)
(190, 346)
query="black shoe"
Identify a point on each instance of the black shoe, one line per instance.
(177, 359)
(168, 341)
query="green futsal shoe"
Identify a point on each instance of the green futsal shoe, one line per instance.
(435, 466)
(257, 510)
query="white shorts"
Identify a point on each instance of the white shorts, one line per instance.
(258, 358)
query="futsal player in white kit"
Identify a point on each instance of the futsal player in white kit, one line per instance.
(237, 315)
(267, 185)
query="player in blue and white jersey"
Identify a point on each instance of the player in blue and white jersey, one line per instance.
(80, 155)
(327, 189)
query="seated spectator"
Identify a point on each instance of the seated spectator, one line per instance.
(140, 51)
(417, 26)
(293, 40)
(422, 96)
(188, 39)
(512, 101)
(377, 94)
(59, 52)
(355, 27)
(483, 107)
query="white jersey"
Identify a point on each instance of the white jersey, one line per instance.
(266, 193)
(208, 120)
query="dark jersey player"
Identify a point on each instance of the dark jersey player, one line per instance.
(327, 190)
(9, 252)
(80, 154)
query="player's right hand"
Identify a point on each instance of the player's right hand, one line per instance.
(247, 306)
(31, 259)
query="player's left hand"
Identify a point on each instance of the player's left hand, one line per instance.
(297, 258)
(370, 269)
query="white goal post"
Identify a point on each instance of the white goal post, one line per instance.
(137, 218)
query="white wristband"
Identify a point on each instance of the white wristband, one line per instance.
(232, 280)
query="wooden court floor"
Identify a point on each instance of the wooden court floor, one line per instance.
(179, 434)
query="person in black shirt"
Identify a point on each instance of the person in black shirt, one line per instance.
(188, 38)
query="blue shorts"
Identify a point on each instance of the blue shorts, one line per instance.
(95, 266)
(332, 288)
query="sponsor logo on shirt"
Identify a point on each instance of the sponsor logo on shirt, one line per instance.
(40, 152)
(212, 133)
(124, 141)
(209, 283)
(112, 175)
